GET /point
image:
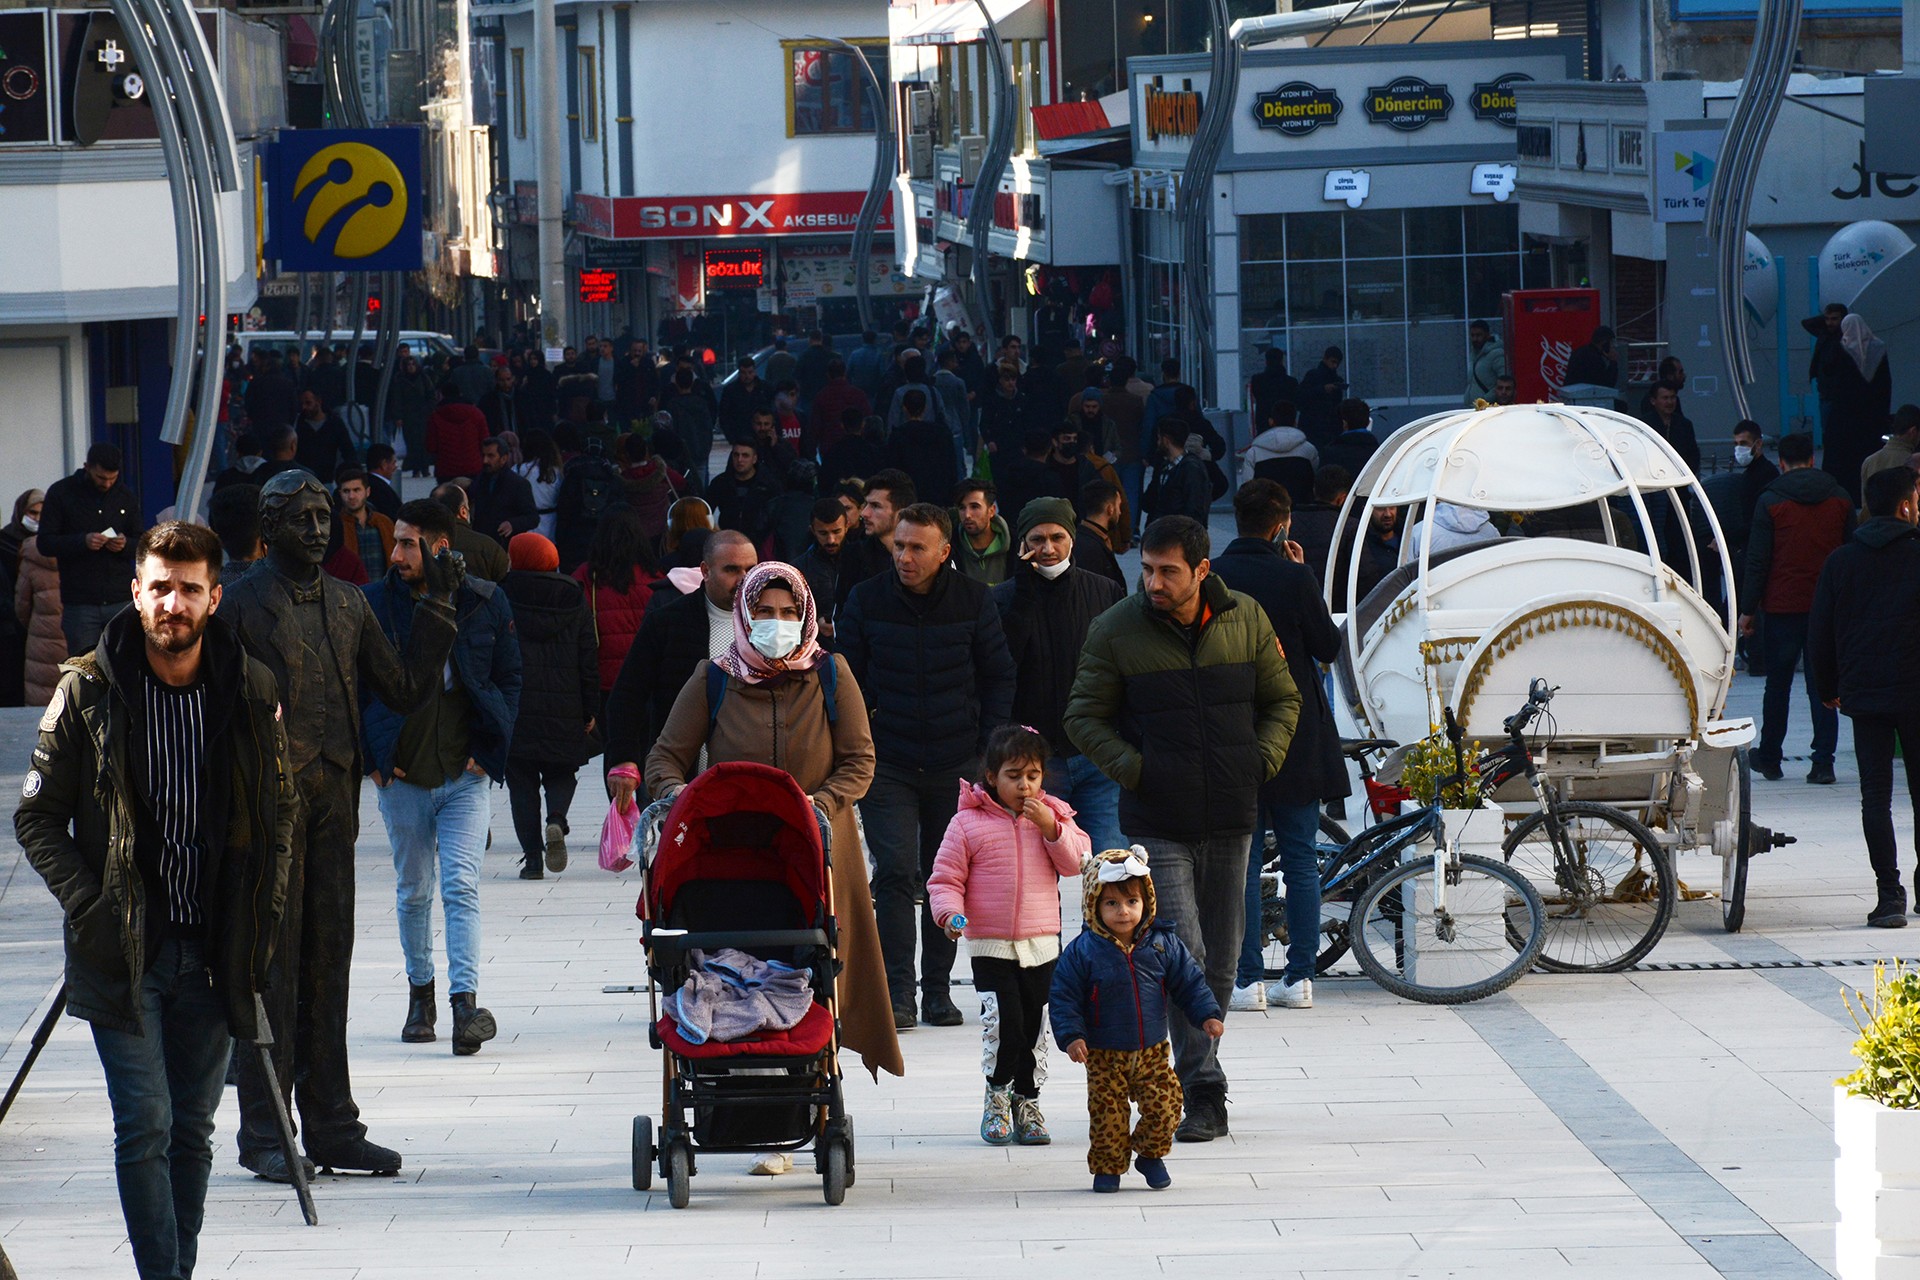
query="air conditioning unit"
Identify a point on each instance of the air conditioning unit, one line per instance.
(973, 153)
(920, 155)
(919, 109)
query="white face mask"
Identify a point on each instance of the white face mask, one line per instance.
(774, 638)
(30, 523)
(1742, 455)
(1052, 571)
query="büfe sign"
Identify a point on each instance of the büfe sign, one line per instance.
(1544, 326)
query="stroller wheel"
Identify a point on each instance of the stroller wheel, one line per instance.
(642, 1153)
(679, 1173)
(834, 1179)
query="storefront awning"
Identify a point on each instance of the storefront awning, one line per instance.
(960, 22)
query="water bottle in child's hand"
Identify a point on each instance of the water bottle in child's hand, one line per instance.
(956, 924)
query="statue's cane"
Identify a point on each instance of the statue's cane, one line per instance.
(296, 1166)
(33, 1050)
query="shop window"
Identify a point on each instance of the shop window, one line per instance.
(589, 94)
(1263, 295)
(1315, 292)
(519, 59)
(1314, 235)
(1434, 289)
(1487, 278)
(1493, 228)
(1374, 233)
(826, 93)
(1262, 237)
(1433, 231)
(1377, 290)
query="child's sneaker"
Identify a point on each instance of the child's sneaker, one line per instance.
(1106, 1182)
(1154, 1170)
(1251, 998)
(996, 1122)
(1029, 1126)
(1292, 995)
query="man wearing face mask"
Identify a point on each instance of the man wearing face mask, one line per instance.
(1046, 605)
(1075, 463)
(673, 640)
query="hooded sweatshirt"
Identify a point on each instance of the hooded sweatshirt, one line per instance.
(1451, 527)
(1802, 518)
(1280, 442)
(1115, 995)
(998, 870)
(990, 566)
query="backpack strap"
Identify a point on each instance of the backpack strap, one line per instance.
(830, 688)
(716, 690)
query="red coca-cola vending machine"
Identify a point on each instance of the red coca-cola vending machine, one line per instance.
(1544, 326)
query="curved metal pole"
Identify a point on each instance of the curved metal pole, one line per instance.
(391, 283)
(1194, 210)
(993, 166)
(885, 164)
(186, 241)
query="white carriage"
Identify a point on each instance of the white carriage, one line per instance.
(1577, 593)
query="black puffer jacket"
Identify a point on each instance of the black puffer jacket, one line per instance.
(1863, 636)
(671, 643)
(1290, 594)
(935, 668)
(1046, 624)
(560, 663)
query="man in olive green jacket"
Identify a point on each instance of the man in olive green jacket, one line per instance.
(1184, 698)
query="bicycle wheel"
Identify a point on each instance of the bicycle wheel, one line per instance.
(1609, 901)
(1489, 934)
(1330, 847)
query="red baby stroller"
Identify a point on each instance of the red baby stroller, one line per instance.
(740, 859)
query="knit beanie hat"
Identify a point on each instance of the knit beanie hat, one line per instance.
(1047, 511)
(532, 553)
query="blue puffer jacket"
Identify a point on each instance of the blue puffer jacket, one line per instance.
(1116, 997)
(934, 667)
(486, 656)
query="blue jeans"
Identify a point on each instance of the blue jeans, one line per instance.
(1295, 829)
(1783, 637)
(1199, 887)
(1094, 796)
(1133, 478)
(165, 1085)
(449, 823)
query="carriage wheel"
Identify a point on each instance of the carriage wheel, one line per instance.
(834, 1178)
(1733, 862)
(679, 1173)
(642, 1153)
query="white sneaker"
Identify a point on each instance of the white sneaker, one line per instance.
(772, 1164)
(1249, 999)
(1291, 995)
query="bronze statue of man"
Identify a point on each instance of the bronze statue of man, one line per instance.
(319, 638)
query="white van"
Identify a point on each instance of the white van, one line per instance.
(419, 341)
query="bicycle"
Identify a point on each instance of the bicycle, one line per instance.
(1607, 880)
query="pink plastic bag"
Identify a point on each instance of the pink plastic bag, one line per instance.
(616, 834)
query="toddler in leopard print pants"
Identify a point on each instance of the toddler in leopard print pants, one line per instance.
(1109, 1009)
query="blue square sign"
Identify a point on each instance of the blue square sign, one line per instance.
(346, 199)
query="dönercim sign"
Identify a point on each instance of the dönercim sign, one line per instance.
(1493, 100)
(1297, 108)
(1408, 104)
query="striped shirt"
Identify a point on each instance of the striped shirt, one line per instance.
(174, 765)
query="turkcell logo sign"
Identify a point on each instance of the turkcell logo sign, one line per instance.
(1683, 169)
(346, 200)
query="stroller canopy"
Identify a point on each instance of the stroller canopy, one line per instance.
(739, 821)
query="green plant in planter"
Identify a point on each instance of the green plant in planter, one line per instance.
(1889, 1043)
(1429, 761)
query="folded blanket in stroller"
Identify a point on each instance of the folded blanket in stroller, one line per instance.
(731, 995)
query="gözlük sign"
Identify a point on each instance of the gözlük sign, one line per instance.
(1296, 108)
(1408, 104)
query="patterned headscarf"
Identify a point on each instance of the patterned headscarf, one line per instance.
(748, 664)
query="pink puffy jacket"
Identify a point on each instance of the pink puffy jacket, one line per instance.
(998, 871)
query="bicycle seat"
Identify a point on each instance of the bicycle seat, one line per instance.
(1355, 748)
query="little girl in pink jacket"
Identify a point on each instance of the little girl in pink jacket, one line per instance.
(997, 881)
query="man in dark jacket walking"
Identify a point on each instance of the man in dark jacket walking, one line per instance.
(1802, 518)
(926, 645)
(674, 638)
(1046, 606)
(559, 696)
(500, 498)
(1183, 698)
(88, 523)
(172, 886)
(1863, 658)
(1262, 563)
(431, 769)
(1180, 485)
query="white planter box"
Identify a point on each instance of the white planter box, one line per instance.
(1876, 1186)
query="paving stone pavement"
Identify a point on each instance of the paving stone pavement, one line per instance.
(1651, 1125)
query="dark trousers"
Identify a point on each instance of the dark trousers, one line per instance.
(1873, 742)
(905, 813)
(525, 781)
(83, 623)
(1013, 1018)
(307, 996)
(1783, 637)
(165, 1084)
(1202, 888)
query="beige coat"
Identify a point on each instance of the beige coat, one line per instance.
(36, 600)
(785, 724)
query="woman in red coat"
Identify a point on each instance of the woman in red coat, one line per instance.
(619, 575)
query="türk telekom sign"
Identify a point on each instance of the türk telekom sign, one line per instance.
(814, 213)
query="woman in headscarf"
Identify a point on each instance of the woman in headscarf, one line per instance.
(774, 712)
(1856, 397)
